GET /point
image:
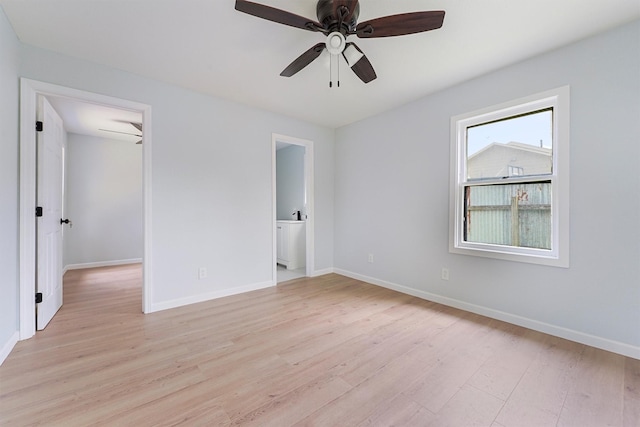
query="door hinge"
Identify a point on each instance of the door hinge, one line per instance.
(38, 211)
(38, 297)
(39, 126)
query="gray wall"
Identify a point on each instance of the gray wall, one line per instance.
(104, 200)
(289, 181)
(9, 49)
(212, 195)
(393, 195)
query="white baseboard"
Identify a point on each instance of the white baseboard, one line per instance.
(322, 272)
(558, 331)
(102, 264)
(165, 305)
(8, 346)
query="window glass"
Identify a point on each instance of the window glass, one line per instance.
(515, 146)
(509, 214)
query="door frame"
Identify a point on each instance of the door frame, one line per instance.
(29, 89)
(310, 210)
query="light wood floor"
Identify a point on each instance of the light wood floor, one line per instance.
(328, 351)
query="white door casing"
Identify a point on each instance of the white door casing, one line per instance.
(50, 142)
(308, 210)
(29, 90)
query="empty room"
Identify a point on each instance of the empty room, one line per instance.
(320, 213)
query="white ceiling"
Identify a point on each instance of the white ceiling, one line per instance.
(207, 46)
(102, 121)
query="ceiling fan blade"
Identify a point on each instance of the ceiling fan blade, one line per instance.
(400, 25)
(276, 15)
(303, 60)
(359, 63)
(122, 133)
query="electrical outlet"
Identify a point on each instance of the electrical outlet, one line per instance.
(202, 273)
(445, 273)
(370, 259)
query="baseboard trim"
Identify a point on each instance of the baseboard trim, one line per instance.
(322, 272)
(166, 305)
(558, 331)
(8, 346)
(102, 264)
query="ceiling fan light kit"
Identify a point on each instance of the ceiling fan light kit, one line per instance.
(352, 55)
(337, 20)
(335, 43)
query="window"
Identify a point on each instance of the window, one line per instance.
(516, 170)
(510, 180)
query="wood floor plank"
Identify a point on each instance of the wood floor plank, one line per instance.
(328, 350)
(631, 411)
(450, 362)
(310, 346)
(321, 354)
(356, 405)
(401, 411)
(539, 396)
(417, 335)
(502, 372)
(469, 406)
(191, 405)
(595, 396)
(295, 405)
(90, 401)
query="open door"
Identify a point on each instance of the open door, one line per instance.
(50, 142)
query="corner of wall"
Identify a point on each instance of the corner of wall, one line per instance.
(8, 346)
(9, 158)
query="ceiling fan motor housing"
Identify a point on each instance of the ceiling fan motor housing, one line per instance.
(328, 12)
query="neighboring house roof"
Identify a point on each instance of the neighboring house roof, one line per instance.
(513, 158)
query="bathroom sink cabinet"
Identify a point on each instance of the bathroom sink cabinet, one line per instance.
(290, 242)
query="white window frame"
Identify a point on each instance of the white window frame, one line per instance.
(558, 255)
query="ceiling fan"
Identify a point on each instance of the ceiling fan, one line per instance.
(337, 20)
(138, 126)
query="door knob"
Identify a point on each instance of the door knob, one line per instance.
(66, 221)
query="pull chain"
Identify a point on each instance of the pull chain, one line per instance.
(331, 70)
(338, 59)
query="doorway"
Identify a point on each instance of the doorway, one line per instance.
(29, 92)
(295, 213)
(103, 184)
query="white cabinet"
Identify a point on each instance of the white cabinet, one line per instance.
(290, 243)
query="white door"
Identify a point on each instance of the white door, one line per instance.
(49, 226)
